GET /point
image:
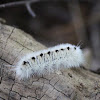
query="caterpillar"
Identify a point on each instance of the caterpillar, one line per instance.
(48, 60)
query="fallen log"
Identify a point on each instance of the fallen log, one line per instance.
(69, 84)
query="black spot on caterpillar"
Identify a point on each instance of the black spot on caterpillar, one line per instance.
(48, 53)
(56, 50)
(41, 54)
(33, 58)
(68, 48)
(24, 62)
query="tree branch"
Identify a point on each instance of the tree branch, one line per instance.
(17, 3)
(31, 12)
(26, 3)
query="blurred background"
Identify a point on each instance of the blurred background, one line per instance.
(52, 22)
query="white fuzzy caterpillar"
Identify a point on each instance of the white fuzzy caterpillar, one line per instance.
(50, 59)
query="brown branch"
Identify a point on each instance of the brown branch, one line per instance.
(77, 20)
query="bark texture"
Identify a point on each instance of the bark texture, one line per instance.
(70, 84)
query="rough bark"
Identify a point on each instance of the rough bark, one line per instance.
(70, 84)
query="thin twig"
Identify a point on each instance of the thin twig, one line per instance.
(17, 3)
(27, 3)
(31, 12)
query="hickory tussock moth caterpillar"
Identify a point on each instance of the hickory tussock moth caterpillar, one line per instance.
(50, 59)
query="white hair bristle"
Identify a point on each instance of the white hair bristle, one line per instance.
(50, 59)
